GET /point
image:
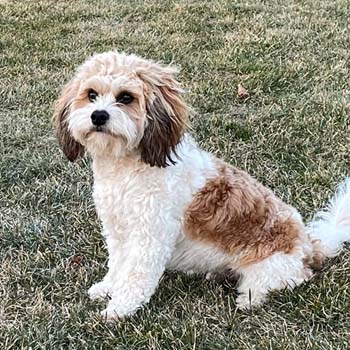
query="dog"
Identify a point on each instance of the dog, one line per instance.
(166, 204)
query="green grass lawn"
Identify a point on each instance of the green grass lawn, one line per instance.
(292, 133)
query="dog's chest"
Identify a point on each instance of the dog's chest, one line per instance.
(127, 197)
(122, 197)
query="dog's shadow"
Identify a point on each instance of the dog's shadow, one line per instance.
(182, 290)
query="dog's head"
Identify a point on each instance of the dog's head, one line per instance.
(118, 104)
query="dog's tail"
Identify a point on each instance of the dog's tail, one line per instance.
(330, 227)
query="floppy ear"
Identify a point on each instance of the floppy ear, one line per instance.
(71, 148)
(167, 117)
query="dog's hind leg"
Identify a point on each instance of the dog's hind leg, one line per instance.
(278, 271)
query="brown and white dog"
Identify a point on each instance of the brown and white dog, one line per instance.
(166, 204)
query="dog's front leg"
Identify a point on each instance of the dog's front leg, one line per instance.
(103, 288)
(147, 253)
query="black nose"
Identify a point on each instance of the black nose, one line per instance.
(99, 118)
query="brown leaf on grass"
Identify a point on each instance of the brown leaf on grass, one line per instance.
(242, 92)
(76, 260)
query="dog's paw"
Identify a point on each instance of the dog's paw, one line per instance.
(245, 301)
(109, 315)
(99, 291)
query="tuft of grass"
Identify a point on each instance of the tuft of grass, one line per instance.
(292, 133)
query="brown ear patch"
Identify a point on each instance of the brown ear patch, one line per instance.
(162, 134)
(71, 148)
(240, 216)
(167, 118)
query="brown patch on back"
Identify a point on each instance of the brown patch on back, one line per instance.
(239, 215)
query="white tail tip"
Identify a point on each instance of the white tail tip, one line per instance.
(332, 225)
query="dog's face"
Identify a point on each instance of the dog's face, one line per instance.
(119, 105)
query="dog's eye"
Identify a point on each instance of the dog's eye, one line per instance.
(124, 98)
(92, 94)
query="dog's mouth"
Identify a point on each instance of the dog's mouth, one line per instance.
(99, 129)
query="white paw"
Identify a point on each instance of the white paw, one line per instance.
(246, 300)
(209, 276)
(99, 291)
(109, 314)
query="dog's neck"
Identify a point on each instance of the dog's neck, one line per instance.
(111, 165)
(108, 165)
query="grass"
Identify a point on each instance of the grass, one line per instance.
(292, 133)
